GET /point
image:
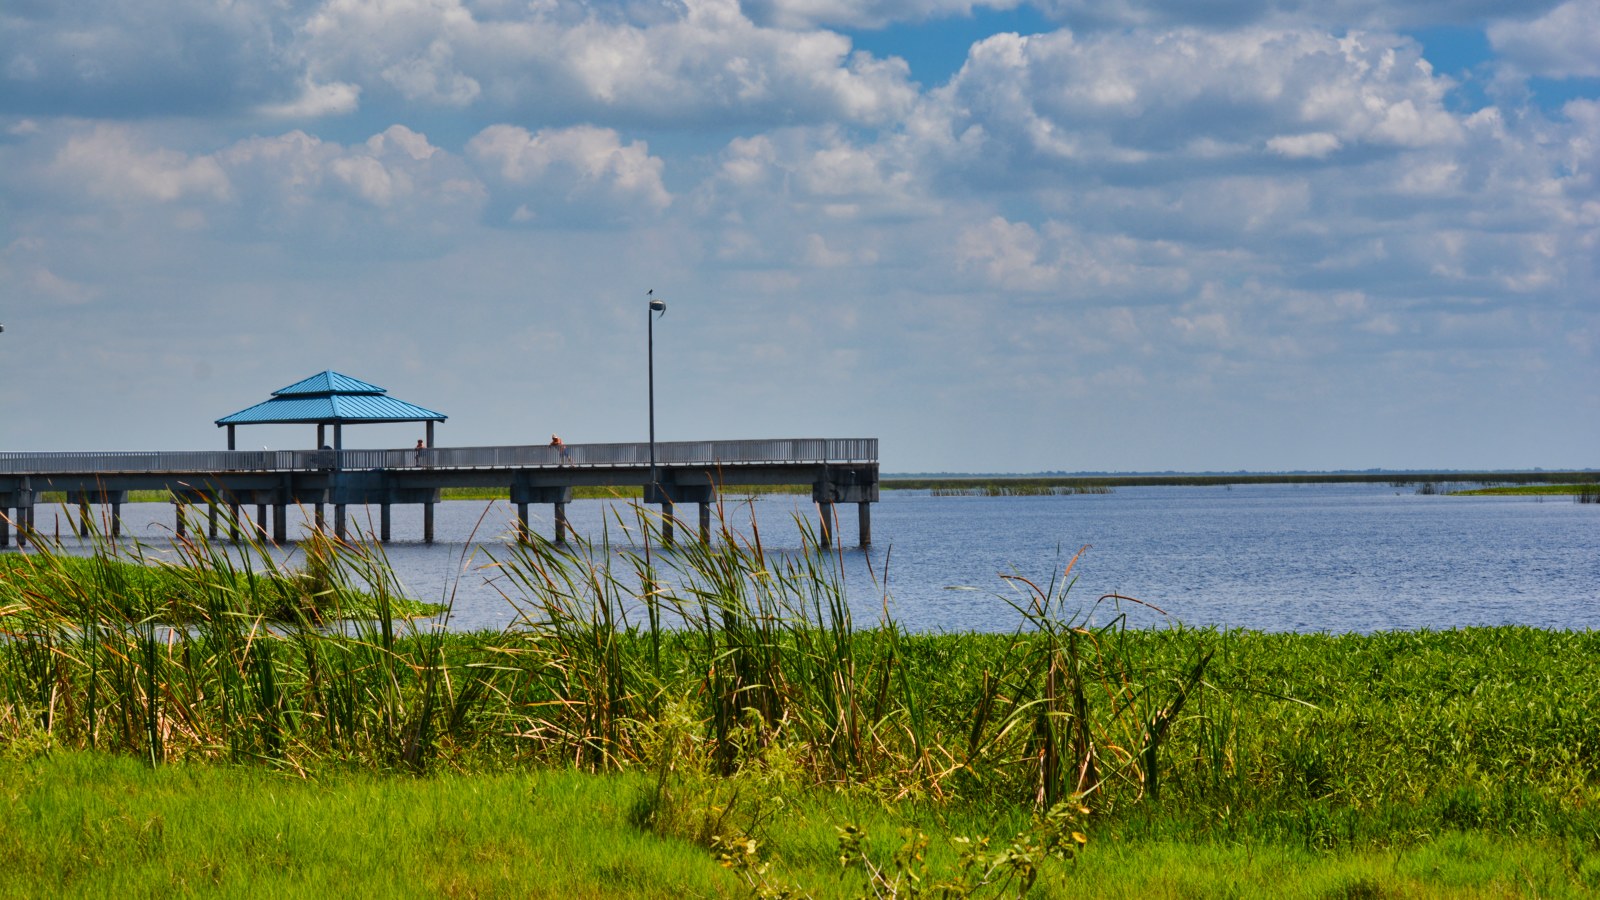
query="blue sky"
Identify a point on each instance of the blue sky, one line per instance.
(1117, 235)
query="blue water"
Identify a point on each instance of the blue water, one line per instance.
(1332, 558)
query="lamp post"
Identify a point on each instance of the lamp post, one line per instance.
(659, 308)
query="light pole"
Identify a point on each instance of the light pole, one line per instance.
(659, 308)
(652, 493)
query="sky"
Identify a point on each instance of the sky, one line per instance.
(1118, 235)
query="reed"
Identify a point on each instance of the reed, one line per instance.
(734, 674)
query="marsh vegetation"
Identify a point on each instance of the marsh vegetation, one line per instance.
(726, 689)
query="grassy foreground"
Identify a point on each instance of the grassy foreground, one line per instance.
(83, 824)
(719, 705)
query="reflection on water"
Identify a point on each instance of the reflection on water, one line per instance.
(1272, 557)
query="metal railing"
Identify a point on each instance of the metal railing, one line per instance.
(675, 453)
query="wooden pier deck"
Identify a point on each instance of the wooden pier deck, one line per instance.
(839, 470)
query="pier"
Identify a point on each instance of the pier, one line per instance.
(225, 482)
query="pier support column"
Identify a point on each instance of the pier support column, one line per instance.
(705, 522)
(385, 521)
(280, 523)
(338, 520)
(179, 526)
(666, 523)
(211, 519)
(856, 484)
(83, 518)
(319, 518)
(5, 529)
(558, 496)
(427, 523)
(116, 519)
(233, 522)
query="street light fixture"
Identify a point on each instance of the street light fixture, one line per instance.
(659, 308)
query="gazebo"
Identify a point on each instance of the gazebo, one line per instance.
(329, 398)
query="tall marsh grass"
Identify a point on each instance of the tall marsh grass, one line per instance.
(732, 672)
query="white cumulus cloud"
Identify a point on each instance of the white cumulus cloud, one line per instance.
(583, 170)
(1142, 98)
(1563, 43)
(316, 100)
(108, 161)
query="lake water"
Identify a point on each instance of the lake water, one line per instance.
(1330, 558)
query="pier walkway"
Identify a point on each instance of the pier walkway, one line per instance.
(839, 470)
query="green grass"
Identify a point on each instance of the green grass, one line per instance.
(84, 824)
(733, 685)
(160, 590)
(580, 492)
(1036, 485)
(1538, 490)
(78, 824)
(614, 492)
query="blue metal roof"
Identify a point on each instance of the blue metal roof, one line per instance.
(329, 382)
(331, 398)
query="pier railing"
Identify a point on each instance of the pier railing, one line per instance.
(668, 454)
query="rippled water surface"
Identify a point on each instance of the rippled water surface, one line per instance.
(1271, 557)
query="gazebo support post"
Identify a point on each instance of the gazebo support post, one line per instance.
(233, 506)
(338, 508)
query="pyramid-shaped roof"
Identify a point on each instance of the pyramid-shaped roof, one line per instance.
(329, 382)
(329, 398)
